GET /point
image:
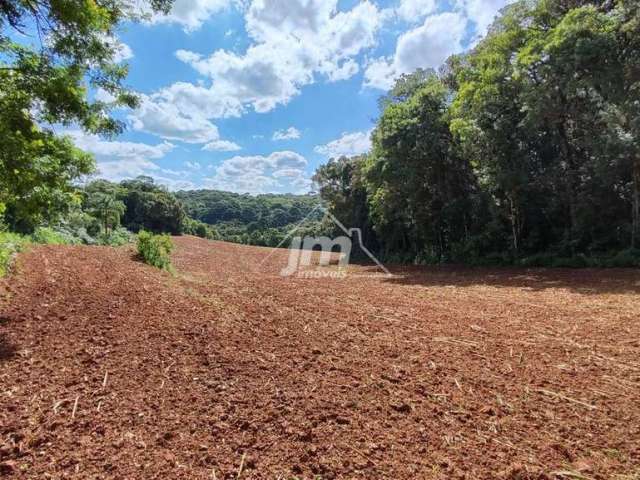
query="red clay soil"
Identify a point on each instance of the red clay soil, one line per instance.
(112, 369)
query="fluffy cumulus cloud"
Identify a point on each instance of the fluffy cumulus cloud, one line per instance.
(426, 46)
(222, 146)
(415, 10)
(181, 112)
(293, 41)
(191, 14)
(279, 171)
(167, 121)
(481, 12)
(118, 160)
(349, 144)
(123, 52)
(290, 133)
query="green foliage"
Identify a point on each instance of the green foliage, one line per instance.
(36, 171)
(101, 200)
(524, 151)
(418, 187)
(76, 46)
(626, 258)
(115, 238)
(342, 187)
(49, 236)
(155, 249)
(263, 220)
(199, 229)
(50, 52)
(10, 244)
(151, 207)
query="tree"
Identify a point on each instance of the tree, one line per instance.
(151, 207)
(108, 209)
(36, 173)
(525, 148)
(538, 112)
(418, 185)
(627, 100)
(45, 85)
(341, 185)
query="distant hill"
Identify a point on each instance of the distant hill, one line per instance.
(257, 220)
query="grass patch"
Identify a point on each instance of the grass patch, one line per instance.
(10, 245)
(49, 236)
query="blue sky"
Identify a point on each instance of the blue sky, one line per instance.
(253, 95)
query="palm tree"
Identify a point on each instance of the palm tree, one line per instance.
(108, 209)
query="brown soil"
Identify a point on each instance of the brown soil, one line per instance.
(112, 369)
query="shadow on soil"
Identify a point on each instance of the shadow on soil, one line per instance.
(7, 349)
(583, 281)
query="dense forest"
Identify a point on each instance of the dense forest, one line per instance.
(263, 220)
(109, 212)
(524, 150)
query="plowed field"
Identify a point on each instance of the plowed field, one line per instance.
(111, 369)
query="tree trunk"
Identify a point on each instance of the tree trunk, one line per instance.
(571, 183)
(635, 213)
(514, 217)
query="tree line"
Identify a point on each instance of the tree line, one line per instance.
(263, 220)
(524, 150)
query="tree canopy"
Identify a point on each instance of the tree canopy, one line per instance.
(51, 53)
(525, 146)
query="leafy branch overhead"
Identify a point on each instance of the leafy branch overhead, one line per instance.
(43, 82)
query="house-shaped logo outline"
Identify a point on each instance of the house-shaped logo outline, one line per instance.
(349, 232)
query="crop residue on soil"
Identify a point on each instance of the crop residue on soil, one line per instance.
(112, 369)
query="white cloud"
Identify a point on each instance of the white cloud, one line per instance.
(167, 121)
(279, 171)
(191, 14)
(290, 133)
(293, 41)
(192, 165)
(181, 112)
(415, 10)
(343, 72)
(199, 101)
(426, 46)
(123, 52)
(174, 184)
(117, 159)
(222, 146)
(102, 95)
(349, 145)
(481, 12)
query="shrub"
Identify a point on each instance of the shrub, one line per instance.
(494, 259)
(49, 236)
(538, 260)
(199, 229)
(577, 261)
(115, 238)
(155, 249)
(10, 244)
(625, 258)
